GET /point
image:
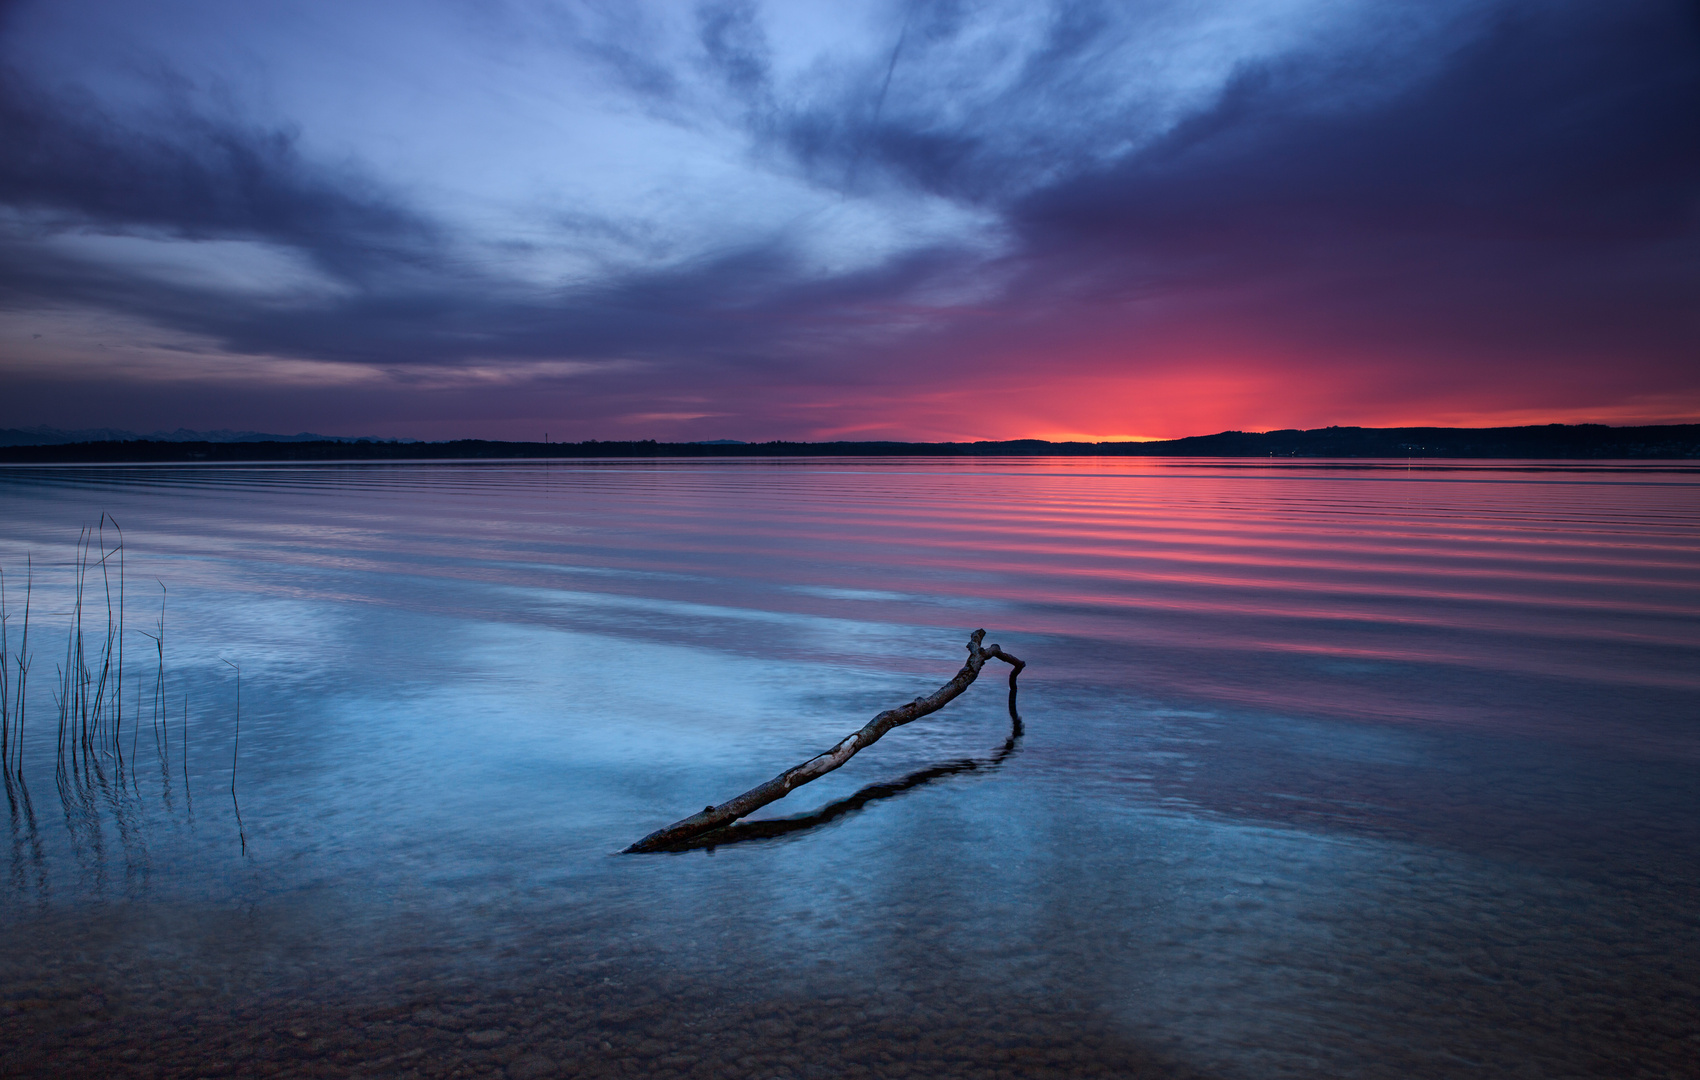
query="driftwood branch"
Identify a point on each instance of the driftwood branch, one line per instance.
(773, 828)
(714, 817)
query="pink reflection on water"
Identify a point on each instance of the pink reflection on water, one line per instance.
(1193, 580)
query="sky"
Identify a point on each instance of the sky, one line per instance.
(915, 219)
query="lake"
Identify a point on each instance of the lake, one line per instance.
(1323, 769)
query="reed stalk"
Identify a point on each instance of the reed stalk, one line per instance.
(90, 695)
(118, 694)
(99, 710)
(183, 752)
(161, 723)
(235, 747)
(12, 692)
(23, 664)
(5, 676)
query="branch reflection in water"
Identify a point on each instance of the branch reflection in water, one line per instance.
(831, 812)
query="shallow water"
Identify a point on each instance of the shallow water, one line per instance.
(1347, 769)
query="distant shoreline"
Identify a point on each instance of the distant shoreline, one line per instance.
(1551, 441)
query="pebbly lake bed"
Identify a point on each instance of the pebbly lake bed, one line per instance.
(1327, 769)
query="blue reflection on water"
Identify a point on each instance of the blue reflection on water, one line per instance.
(1309, 753)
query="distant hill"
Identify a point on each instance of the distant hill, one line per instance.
(46, 436)
(1544, 441)
(1551, 441)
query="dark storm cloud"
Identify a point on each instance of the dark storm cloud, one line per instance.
(192, 176)
(741, 308)
(1551, 171)
(1561, 129)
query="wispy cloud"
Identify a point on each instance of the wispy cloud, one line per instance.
(920, 218)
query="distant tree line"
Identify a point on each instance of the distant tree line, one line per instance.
(1564, 441)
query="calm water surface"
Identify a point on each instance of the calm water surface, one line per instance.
(1367, 769)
